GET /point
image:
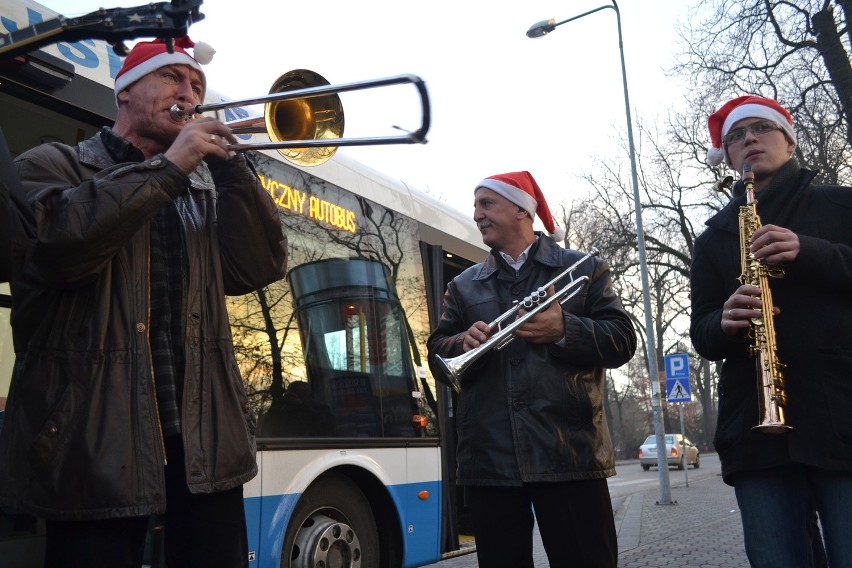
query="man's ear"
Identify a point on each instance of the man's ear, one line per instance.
(122, 96)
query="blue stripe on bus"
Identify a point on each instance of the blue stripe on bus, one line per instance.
(420, 520)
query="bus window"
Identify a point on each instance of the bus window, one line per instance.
(354, 341)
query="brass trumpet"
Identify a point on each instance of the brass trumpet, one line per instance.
(536, 302)
(304, 118)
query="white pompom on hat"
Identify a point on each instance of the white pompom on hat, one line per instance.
(148, 56)
(749, 106)
(521, 189)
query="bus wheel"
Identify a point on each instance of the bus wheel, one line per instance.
(332, 526)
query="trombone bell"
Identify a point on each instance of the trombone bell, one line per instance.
(315, 118)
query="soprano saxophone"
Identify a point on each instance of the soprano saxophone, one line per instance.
(771, 396)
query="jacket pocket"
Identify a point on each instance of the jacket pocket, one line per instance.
(62, 396)
(732, 421)
(577, 400)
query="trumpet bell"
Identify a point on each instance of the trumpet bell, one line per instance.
(314, 118)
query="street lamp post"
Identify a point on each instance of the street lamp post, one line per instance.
(539, 30)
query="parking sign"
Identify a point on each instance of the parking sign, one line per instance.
(677, 378)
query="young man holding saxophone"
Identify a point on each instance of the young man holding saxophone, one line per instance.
(804, 238)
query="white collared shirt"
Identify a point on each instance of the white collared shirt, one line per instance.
(522, 258)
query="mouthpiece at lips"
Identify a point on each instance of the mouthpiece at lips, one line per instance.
(178, 114)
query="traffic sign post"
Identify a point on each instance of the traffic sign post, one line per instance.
(678, 390)
(677, 378)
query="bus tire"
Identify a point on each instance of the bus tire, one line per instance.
(332, 525)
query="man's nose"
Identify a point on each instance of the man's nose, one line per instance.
(185, 91)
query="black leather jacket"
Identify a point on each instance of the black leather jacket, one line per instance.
(82, 438)
(529, 412)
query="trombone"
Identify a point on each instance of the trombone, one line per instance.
(454, 367)
(304, 118)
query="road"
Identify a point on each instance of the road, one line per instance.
(629, 479)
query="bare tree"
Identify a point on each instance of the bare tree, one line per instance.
(674, 201)
(796, 52)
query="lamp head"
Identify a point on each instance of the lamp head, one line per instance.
(541, 28)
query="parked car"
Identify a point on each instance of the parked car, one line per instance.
(676, 455)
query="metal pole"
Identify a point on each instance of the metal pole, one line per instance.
(662, 460)
(684, 457)
(665, 492)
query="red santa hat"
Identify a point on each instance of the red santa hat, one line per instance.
(521, 189)
(749, 106)
(147, 56)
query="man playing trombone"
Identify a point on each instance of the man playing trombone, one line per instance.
(126, 400)
(531, 425)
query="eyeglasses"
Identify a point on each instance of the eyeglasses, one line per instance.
(757, 128)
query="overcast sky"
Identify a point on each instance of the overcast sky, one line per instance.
(500, 101)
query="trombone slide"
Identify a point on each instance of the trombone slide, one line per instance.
(318, 120)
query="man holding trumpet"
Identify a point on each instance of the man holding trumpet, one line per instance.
(125, 399)
(531, 425)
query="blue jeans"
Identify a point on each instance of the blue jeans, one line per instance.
(777, 507)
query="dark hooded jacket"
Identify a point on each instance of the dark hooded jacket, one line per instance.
(534, 412)
(813, 331)
(82, 438)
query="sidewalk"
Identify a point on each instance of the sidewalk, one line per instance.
(701, 530)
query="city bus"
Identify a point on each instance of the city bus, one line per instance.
(355, 438)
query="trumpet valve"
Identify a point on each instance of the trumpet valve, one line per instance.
(533, 299)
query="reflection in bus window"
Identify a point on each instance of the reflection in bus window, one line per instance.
(355, 346)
